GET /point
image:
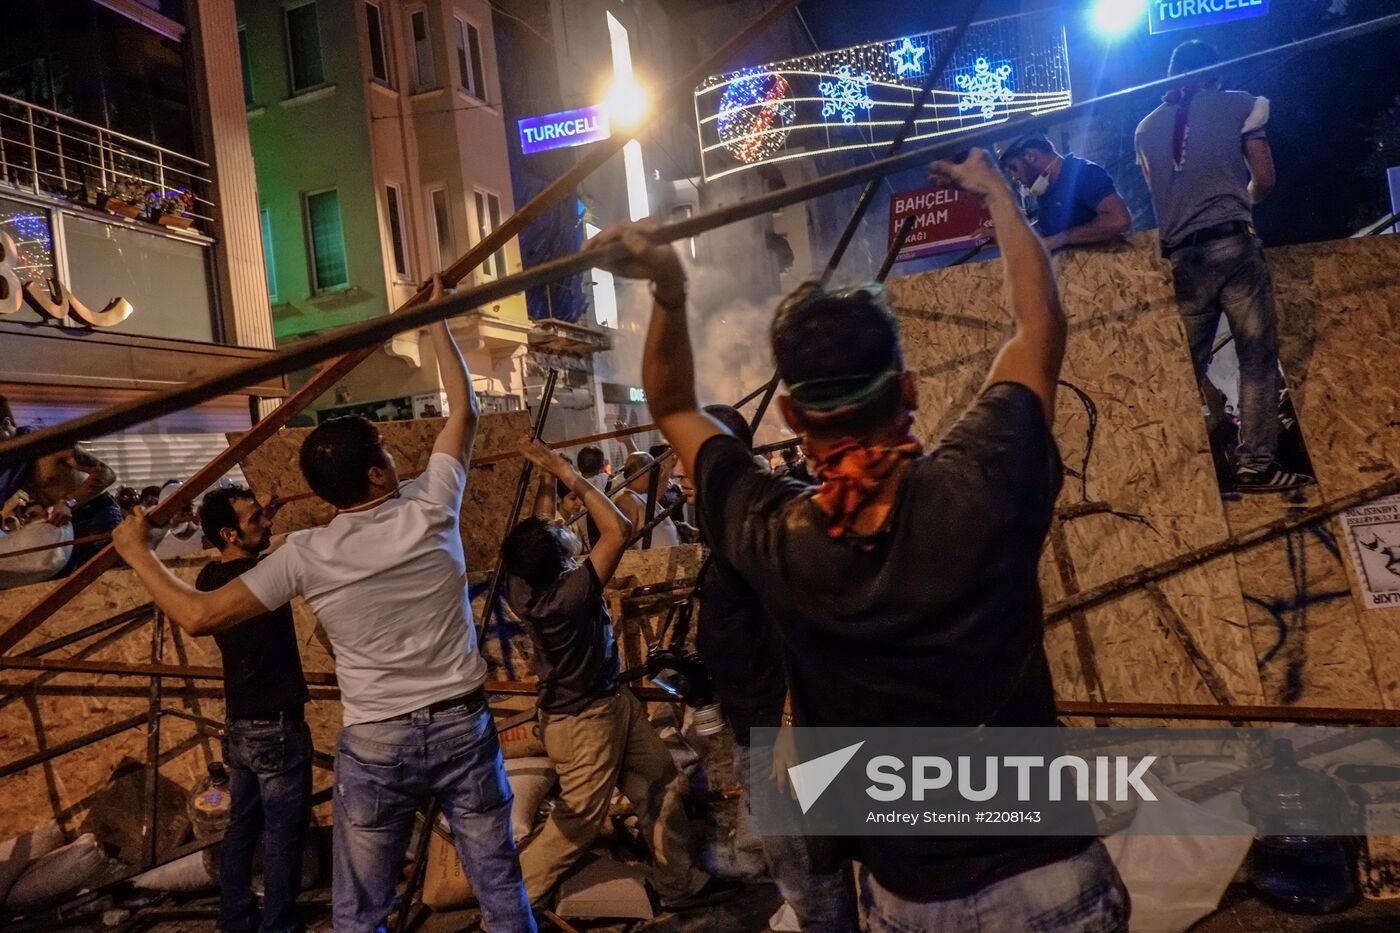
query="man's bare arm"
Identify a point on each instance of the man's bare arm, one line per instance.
(458, 435)
(545, 496)
(1262, 177)
(196, 612)
(614, 529)
(99, 474)
(1112, 220)
(1036, 349)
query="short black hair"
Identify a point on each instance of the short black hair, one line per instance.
(1037, 141)
(336, 459)
(148, 492)
(533, 552)
(5, 411)
(590, 460)
(840, 357)
(730, 417)
(1192, 56)
(657, 451)
(217, 512)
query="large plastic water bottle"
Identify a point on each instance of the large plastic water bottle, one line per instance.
(1300, 864)
(210, 802)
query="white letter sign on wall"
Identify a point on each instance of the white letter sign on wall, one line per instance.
(52, 299)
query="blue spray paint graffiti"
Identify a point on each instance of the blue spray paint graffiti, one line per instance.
(506, 630)
(1290, 612)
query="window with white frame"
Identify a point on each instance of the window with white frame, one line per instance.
(378, 44)
(488, 218)
(469, 64)
(330, 269)
(442, 228)
(424, 69)
(304, 64)
(393, 204)
(269, 263)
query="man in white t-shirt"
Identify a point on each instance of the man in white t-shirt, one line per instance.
(387, 580)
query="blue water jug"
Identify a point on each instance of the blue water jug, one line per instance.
(1299, 863)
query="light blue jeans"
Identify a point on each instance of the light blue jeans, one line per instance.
(824, 903)
(1230, 276)
(1080, 894)
(385, 771)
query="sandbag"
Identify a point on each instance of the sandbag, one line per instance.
(523, 741)
(601, 887)
(194, 872)
(16, 853)
(445, 884)
(1176, 859)
(56, 875)
(531, 780)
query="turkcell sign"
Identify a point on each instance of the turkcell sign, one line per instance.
(945, 219)
(1167, 15)
(563, 129)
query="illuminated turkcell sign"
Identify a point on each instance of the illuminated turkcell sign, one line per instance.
(945, 219)
(563, 129)
(1168, 15)
(857, 98)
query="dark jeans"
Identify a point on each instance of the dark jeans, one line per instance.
(270, 782)
(1229, 276)
(1080, 894)
(94, 517)
(384, 771)
(824, 902)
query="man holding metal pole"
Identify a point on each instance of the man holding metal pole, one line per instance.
(871, 637)
(386, 579)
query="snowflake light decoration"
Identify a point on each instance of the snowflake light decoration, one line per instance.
(908, 58)
(984, 88)
(755, 113)
(847, 92)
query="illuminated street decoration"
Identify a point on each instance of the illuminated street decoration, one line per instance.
(908, 58)
(984, 87)
(50, 297)
(858, 97)
(754, 114)
(845, 93)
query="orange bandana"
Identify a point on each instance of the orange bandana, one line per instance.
(851, 474)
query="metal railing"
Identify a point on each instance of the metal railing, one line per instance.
(47, 152)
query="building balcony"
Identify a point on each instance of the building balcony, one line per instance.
(551, 336)
(47, 153)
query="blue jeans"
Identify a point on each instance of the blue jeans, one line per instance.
(1230, 276)
(385, 771)
(270, 782)
(1080, 894)
(824, 903)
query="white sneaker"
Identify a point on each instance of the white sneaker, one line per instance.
(785, 920)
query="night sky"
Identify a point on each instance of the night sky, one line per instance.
(1325, 104)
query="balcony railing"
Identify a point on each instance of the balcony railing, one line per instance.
(48, 152)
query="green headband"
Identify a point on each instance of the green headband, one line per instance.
(830, 393)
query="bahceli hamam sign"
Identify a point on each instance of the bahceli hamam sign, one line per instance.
(566, 128)
(945, 220)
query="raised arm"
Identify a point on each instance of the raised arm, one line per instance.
(458, 435)
(1262, 177)
(546, 495)
(1036, 349)
(668, 363)
(196, 612)
(613, 528)
(99, 474)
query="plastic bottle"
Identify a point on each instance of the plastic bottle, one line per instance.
(210, 802)
(1299, 863)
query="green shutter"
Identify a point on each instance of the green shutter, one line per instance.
(327, 240)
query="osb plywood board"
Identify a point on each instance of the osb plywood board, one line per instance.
(272, 468)
(1149, 462)
(77, 787)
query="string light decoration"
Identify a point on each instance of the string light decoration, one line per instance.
(909, 58)
(846, 92)
(984, 87)
(858, 97)
(754, 114)
(33, 238)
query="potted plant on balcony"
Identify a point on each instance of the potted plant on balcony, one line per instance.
(171, 208)
(125, 198)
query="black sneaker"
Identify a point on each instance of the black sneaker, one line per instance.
(1272, 478)
(715, 891)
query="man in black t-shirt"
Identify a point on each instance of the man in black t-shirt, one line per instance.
(267, 744)
(905, 584)
(596, 734)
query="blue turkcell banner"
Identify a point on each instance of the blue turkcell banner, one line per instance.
(1169, 15)
(566, 128)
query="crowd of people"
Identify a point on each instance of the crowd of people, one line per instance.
(818, 606)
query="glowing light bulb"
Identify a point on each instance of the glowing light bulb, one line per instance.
(627, 103)
(1113, 18)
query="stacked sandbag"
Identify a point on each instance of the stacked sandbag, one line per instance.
(52, 877)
